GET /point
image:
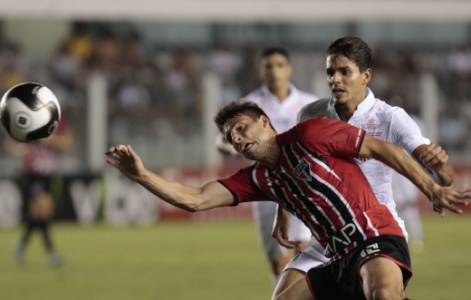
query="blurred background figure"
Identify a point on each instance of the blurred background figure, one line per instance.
(406, 196)
(39, 165)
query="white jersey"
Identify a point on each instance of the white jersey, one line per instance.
(387, 123)
(282, 114)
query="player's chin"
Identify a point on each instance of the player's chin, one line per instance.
(339, 99)
(249, 156)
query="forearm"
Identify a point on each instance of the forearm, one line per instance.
(402, 163)
(174, 193)
(445, 176)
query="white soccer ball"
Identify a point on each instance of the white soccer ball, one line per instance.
(29, 111)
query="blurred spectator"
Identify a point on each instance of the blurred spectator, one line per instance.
(247, 77)
(453, 126)
(79, 44)
(224, 62)
(184, 86)
(459, 62)
(13, 66)
(39, 166)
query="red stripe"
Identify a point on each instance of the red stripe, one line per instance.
(310, 287)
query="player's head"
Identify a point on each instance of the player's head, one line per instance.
(246, 127)
(275, 68)
(348, 69)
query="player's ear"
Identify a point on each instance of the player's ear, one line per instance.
(367, 76)
(265, 121)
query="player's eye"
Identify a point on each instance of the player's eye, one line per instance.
(229, 137)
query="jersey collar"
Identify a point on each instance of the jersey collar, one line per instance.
(366, 104)
(293, 92)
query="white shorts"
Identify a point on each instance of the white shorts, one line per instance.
(264, 214)
(311, 257)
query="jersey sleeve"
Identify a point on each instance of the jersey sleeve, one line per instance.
(242, 188)
(316, 109)
(331, 137)
(405, 132)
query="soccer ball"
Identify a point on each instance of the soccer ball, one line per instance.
(29, 111)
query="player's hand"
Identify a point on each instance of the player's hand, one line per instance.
(280, 231)
(126, 161)
(446, 198)
(434, 157)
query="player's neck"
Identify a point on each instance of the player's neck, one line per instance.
(346, 110)
(281, 93)
(272, 155)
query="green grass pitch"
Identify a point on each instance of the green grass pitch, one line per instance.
(175, 261)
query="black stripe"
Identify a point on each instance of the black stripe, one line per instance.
(294, 160)
(311, 152)
(323, 221)
(329, 193)
(278, 191)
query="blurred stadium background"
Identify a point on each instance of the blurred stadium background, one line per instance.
(152, 74)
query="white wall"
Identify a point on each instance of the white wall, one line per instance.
(227, 10)
(37, 38)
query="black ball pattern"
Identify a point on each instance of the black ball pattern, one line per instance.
(27, 94)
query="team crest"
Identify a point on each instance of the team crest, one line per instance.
(303, 170)
(372, 128)
(370, 125)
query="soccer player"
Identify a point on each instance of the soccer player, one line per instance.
(348, 73)
(310, 171)
(282, 101)
(40, 162)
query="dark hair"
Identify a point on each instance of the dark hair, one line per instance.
(238, 108)
(275, 50)
(353, 48)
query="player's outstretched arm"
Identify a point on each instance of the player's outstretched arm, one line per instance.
(186, 197)
(434, 158)
(392, 156)
(280, 230)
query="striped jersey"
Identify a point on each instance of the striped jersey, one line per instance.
(316, 178)
(385, 122)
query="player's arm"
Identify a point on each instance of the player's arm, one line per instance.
(186, 197)
(280, 230)
(407, 135)
(435, 159)
(397, 159)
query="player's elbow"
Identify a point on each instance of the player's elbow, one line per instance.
(196, 205)
(193, 208)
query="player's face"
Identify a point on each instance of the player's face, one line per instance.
(275, 71)
(248, 137)
(345, 80)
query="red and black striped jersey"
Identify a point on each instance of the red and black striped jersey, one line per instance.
(317, 179)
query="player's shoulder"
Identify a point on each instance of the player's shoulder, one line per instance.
(254, 96)
(313, 124)
(385, 111)
(318, 108)
(244, 170)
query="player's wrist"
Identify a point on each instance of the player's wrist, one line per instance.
(143, 176)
